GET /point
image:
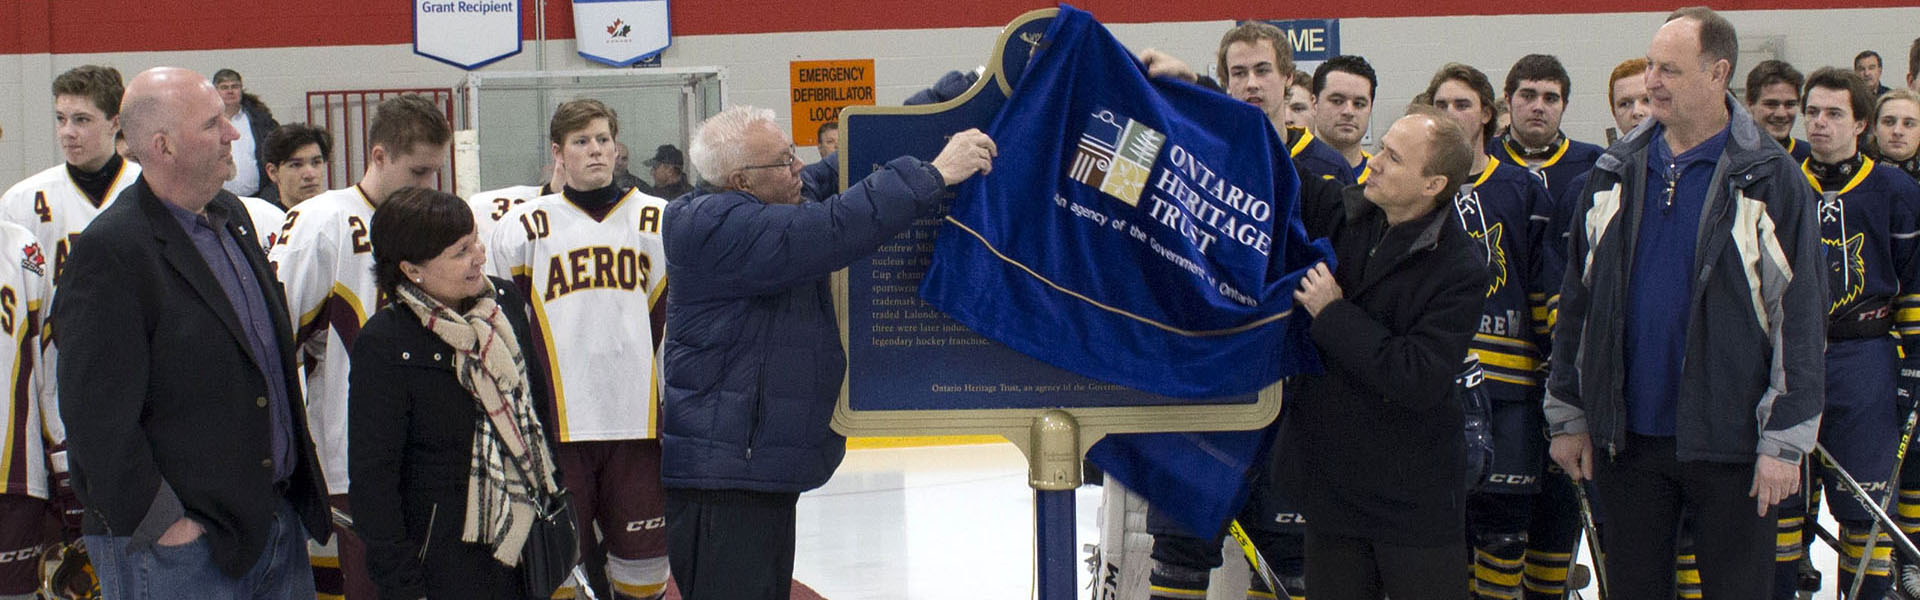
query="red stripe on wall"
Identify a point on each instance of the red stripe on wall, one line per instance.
(66, 27)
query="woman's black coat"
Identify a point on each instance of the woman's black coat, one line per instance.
(410, 446)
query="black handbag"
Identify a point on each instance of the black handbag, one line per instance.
(552, 548)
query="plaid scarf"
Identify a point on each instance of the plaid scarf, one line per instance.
(508, 445)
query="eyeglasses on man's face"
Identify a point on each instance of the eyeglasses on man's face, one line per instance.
(786, 162)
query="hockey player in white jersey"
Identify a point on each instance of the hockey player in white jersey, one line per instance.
(591, 263)
(33, 464)
(492, 205)
(297, 155)
(57, 203)
(48, 208)
(325, 260)
(267, 219)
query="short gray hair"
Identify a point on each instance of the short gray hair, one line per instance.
(718, 148)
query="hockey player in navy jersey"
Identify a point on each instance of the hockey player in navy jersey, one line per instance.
(1896, 130)
(1773, 96)
(1537, 88)
(1896, 138)
(1343, 90)
(1507, 211)
(1256, 62)
(1869, 221)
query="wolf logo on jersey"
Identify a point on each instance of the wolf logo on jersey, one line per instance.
(1474, 220)
(1846, 268)
(1497, 264)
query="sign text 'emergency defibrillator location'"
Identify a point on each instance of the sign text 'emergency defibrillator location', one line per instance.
(822, 87)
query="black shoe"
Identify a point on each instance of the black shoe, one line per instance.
(1809, 577)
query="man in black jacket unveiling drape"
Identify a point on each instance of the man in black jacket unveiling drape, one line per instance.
(1373, 448)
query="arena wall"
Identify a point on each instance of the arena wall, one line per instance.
(286, 49)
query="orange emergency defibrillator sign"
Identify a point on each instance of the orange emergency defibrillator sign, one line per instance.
(822, 87)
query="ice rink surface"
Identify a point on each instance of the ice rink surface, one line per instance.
(956, 522)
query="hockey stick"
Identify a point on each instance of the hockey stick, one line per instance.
(1826, 536)
(1893, 489)
(1593, 538)
(1259, 563)
(580, 575)
(1860, 494)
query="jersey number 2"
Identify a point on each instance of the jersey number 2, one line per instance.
(360, 245)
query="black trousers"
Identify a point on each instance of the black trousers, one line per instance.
(1346, 568)
(1645, 489)
(731, 544)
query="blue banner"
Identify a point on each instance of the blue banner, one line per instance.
(1140, 233)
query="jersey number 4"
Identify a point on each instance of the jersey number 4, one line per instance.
(40, 207)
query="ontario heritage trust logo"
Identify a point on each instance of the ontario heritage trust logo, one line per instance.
(1115, 155)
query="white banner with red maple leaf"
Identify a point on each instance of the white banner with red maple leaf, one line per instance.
(621, 32)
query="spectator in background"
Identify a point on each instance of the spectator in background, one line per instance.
(1913, 66)
(296, 158)
(827, 139)
(1867, 65)
(621, 175)
(254, 122)
(669, 173)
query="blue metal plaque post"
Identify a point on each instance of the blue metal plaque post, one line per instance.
(1053, 463)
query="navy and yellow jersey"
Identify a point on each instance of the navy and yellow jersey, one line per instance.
(1558, 165)
(1870, 229)
(1509, 212)
(1910, 166)
(1315, 157)
(1798, 149)
(1360, 170)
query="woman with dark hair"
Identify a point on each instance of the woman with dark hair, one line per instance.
(446, 449)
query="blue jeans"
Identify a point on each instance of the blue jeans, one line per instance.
(187, 571)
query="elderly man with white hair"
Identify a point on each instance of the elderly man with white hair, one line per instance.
(753, 360)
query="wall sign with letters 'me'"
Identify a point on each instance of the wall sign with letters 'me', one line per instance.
(621, 32)
(914, 371)
(1313, 40)
(466, 33)
(821, 88)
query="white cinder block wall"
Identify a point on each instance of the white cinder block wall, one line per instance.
(1406, 51)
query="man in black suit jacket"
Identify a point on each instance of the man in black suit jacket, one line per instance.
(186, 434)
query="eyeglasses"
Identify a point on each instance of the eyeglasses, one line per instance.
(786, 162)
